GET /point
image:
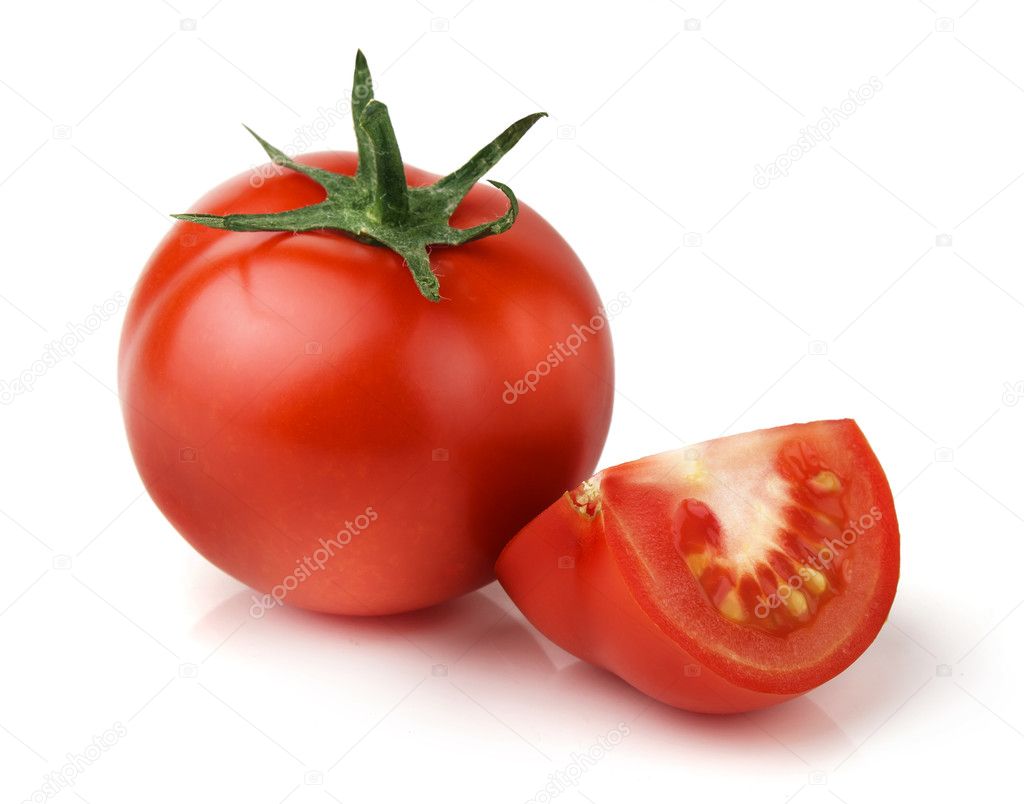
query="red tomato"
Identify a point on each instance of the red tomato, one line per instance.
(723, 577)
(317, 429)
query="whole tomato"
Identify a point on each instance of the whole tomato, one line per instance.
(722, 577)
(312, 424)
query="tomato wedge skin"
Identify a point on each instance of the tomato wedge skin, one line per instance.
(585, 580)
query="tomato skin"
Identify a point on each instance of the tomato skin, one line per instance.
(575, 580)
(586, 607)
(282, 391)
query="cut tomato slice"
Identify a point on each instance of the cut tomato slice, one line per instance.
(723, 577)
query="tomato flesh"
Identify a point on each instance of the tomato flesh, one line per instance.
(779, 577)
(723, 577)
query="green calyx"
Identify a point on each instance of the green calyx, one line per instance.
(376, 205)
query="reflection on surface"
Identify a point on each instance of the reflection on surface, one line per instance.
(490, 660)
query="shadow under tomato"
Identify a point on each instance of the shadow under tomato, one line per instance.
(472, 632)
(798, 727)
(480, 640)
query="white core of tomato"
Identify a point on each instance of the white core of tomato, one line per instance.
(744, 490)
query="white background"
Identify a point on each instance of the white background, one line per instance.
(880, 279)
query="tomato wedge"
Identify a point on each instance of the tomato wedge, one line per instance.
(722, 577)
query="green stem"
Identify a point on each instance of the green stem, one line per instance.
(377, 205)
(362, 94)
(389, 193)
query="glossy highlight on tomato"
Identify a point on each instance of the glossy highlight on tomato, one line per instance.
(723, 577)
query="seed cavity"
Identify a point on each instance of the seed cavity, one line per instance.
(778, 573)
